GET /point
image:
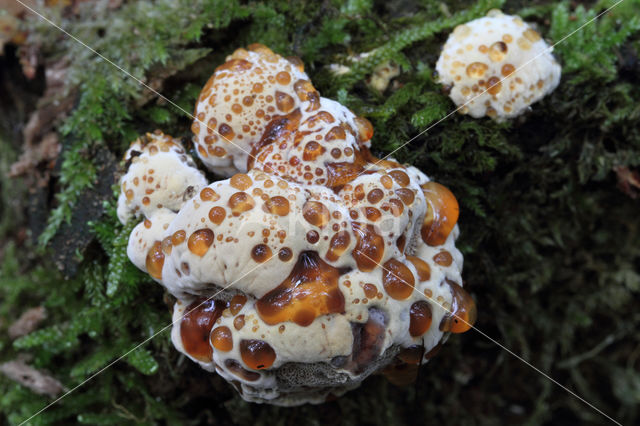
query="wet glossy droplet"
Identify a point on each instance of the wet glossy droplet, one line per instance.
(200, 241)
(257, 354)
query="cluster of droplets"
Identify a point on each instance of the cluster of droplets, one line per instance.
(314, 264)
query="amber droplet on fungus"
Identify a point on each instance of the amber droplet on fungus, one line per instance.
(257, 354)
(310, 290)
(200, 241)
(277, 205)
(397, 279)
(442, 213)
(196, 325)
(155, 260)
(261, 253)
(222, 339)
(419, 318)
(241, 202)
(338, 245)
(236, 303)
(463, 310)
(369, 247)
(316, 213)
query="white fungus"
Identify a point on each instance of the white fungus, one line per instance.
(314, 268)
(497, 66)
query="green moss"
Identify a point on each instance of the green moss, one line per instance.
(551, 244)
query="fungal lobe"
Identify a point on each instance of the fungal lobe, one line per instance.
(310, 290)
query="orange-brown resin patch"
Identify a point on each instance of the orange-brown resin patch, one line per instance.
(310, 290)
(196, 326)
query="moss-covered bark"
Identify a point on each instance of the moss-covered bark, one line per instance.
(549, 221)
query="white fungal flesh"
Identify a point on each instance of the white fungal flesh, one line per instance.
(313, 260)
(497, 66)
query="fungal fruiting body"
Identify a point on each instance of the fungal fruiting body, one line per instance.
(315, 264)
(497, 66)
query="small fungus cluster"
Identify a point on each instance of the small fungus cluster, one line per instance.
(314, 264)
(497, 66)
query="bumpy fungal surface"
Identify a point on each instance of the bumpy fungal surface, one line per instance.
(315, 264)
(501, 56)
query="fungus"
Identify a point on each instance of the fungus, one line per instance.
(315, 264)
(497, 66)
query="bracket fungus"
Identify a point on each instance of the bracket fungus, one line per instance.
(312, 266)
(497, 66)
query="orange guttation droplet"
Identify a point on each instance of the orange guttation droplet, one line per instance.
(222, 339)
(310, 290)
(476, 69)
(338, 245)
(316, 213)
(200, 241)
(208, 194)
(406, 195)
(368, 340)
(237, 369)
(178, 237)
(372, 214)
(155, 260)
(196, 325)
(365, 129)
(284, 102)
(312, 150)
(422, 267)
(240, 181)
(279, 128)
(400, 177)
(507, 70)
(463, 311)
(397, 279)
(167, 247)
(238, 322)
(494, 86)
(236, 303)
(277, 205)
(419, 318)
(285, 254)
(241, 202)
(260, 253)
(341, 173)
(257, 354)
(369, 248)
(217, 214)
(370, 290)
(442, 213)
(401, 242)
(443, 258)
(375, 195)
(498, 51)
